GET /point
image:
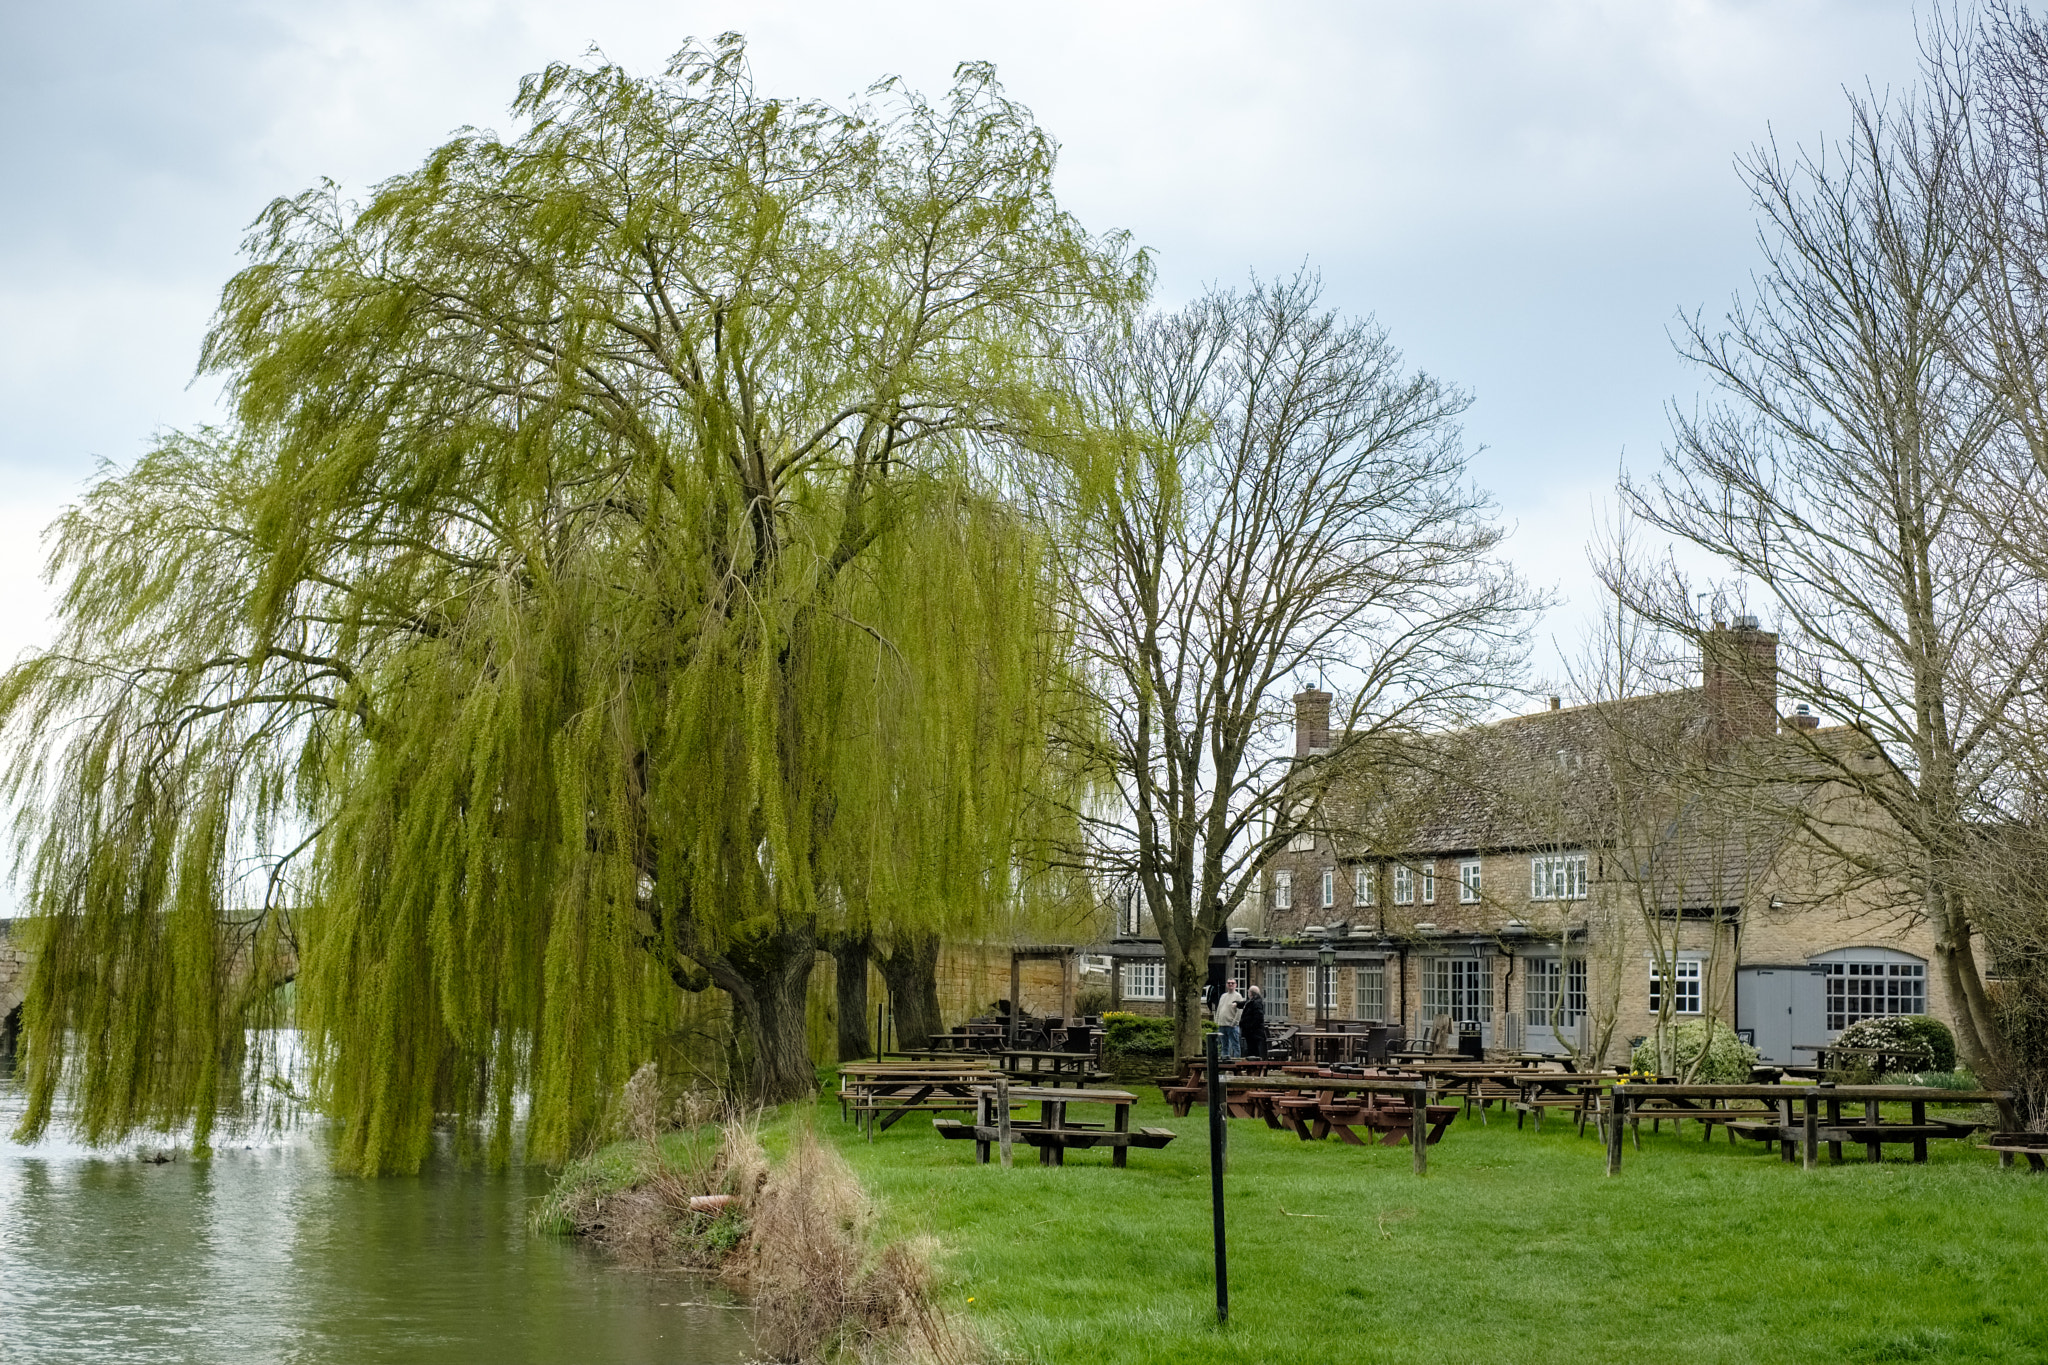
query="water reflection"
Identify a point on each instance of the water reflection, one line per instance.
(262, 1255)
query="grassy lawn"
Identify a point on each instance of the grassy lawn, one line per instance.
(1514, 1248)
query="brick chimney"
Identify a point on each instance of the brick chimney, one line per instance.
(1739, 674)
(1311, 722)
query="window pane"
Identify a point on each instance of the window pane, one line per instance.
(1276, 991)
(1372, 990)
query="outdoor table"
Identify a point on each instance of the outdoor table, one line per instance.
(1825, 1055)
(1426, 1122)
(1190, 1086)
(2032, 1146)
(1808, 1129)
(885, 1091)
(1053, 1133)
(1077, 1067)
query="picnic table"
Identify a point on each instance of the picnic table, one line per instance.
(883, 1092)
(2033, 1146)
(1828, 1056)
(1077, 1067)
(1806, 1129)
(1053, 1132)
(1190, 1086)
(1317, 1106)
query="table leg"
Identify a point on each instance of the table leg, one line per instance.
(1003, 1120)
(1418, 1130)
(1834, 1121)
(1919, 1143)
(1786, 1146)
(1809, 1143)
(1872, 1151)
(1617, 1107)
(982, 1123)
(1122, 1125)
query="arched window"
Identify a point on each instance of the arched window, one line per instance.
(1870, 983)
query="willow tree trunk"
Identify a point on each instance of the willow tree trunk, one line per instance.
(769, 983)
(911, 967)
(850, 980)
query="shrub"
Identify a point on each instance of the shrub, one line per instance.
(1124, 1033)
(1914, 1042)
(1717, 1059)
(1940, 1042)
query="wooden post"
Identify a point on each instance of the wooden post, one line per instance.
(1809, 1134)
(1003, 1118)
(1216, 1154)
(1121, 1154)
(1617, 1109)
(1016, 1006)
(1418, 1127)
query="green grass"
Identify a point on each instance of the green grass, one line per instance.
(1514, 1248)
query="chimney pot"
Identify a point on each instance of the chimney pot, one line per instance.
(1554, 703)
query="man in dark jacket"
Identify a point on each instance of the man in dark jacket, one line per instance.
(1252, 1024)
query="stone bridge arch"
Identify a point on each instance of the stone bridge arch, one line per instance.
(13, 985)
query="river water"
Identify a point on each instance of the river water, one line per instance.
(261, 1254)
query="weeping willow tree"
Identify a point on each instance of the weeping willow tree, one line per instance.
(604, 591)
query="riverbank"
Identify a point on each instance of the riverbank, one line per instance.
(1514, 1247)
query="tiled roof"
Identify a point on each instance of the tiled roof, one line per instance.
(1603, 775)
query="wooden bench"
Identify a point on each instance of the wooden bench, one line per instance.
(1394, 1122)
(1053, 1133)
(2032, 1146)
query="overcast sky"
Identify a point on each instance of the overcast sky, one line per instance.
(1525, 194)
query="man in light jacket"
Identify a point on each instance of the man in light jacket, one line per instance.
(1229, 1006)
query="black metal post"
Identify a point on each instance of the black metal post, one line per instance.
(1216, 1131)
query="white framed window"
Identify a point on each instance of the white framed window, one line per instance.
(1554, 991)
(1404, 884)
(1241, 973)
(1144, 981)
(1365, 884)
(1873, 986)
(1283, 890)
(1685, 987)
(1429, 883)
(1276, 991)
(1370, 980)
(1461, 987)
(1468, 882)
(1304, 841)
(1329, 887)
(1557, 877)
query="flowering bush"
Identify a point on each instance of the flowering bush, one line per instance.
(1914, 1042)
(1726, 1060)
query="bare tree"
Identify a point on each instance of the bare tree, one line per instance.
(1265, 499)
(1863, 479)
